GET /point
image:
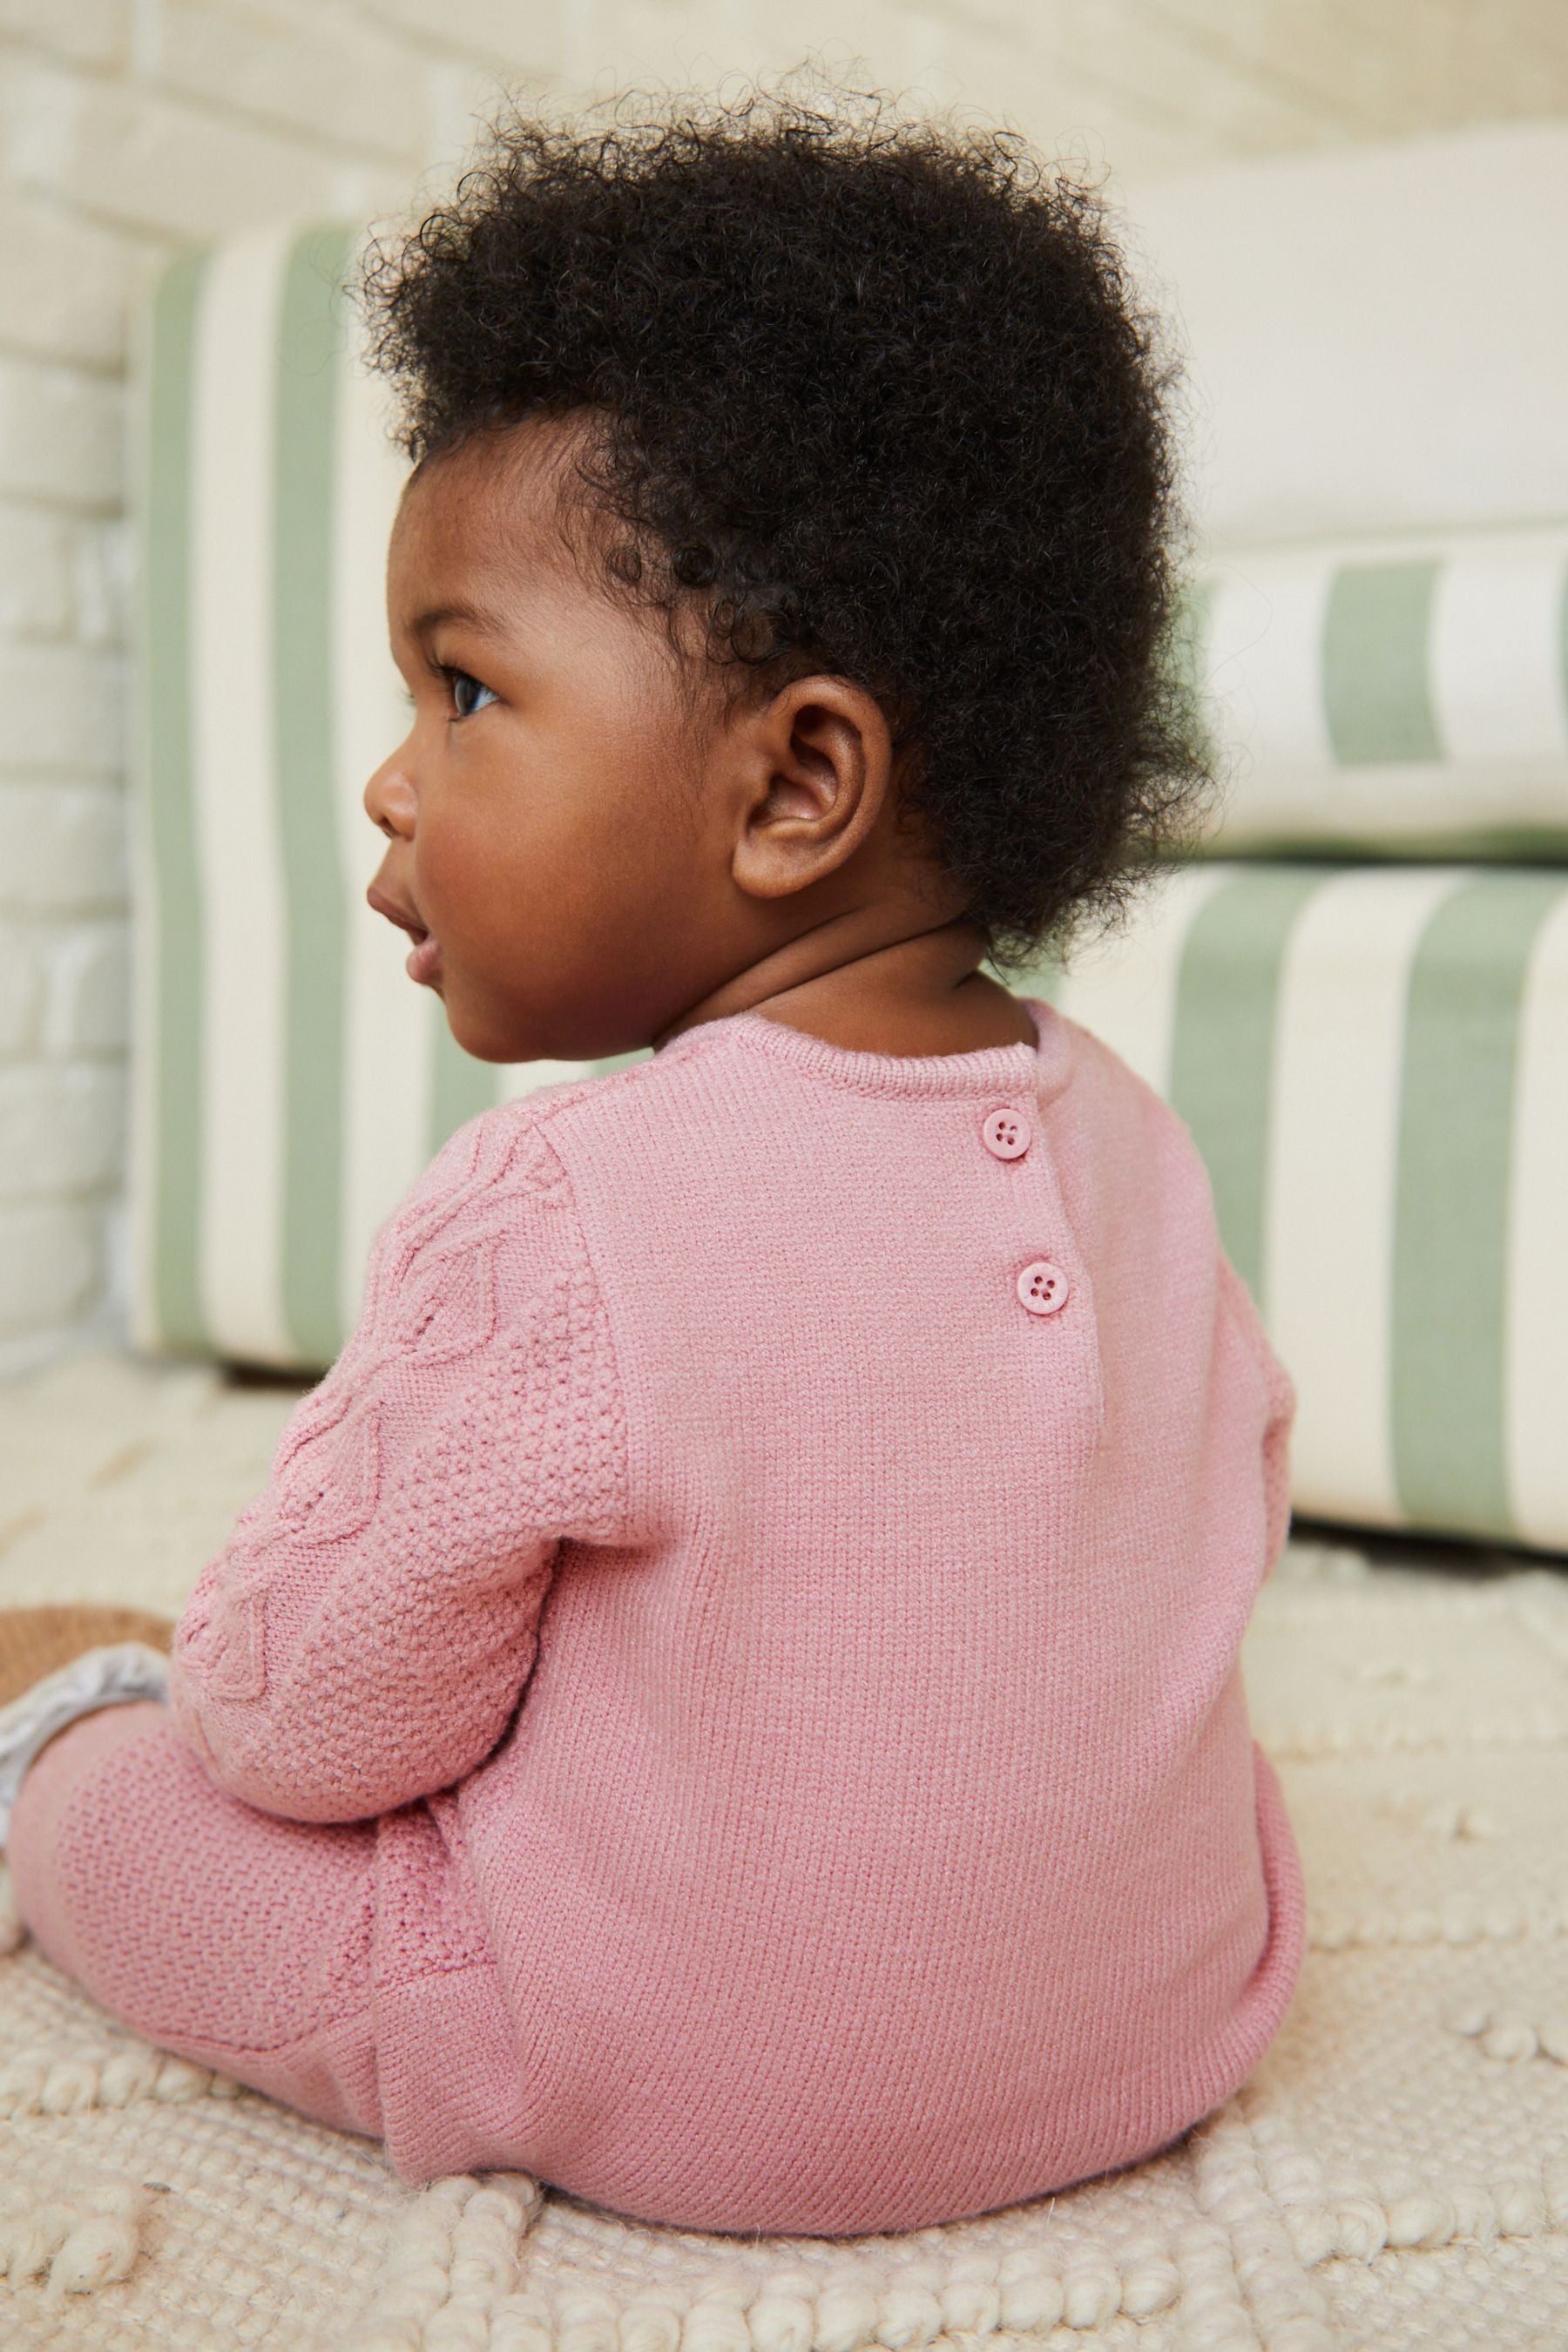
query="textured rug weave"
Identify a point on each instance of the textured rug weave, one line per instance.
(1394, 2176)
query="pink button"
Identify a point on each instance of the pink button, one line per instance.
(1007, 1133)
(1042, 1286)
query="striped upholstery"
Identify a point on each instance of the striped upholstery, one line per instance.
(1372, 1058)
(1408, 699)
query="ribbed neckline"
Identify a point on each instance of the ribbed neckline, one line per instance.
(1002, 1070)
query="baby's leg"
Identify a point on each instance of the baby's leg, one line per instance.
(232, 1938)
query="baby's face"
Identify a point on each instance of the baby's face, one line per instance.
(552, 832)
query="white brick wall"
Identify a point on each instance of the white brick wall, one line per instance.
(129, 127)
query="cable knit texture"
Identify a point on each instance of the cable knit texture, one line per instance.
(730, 1702)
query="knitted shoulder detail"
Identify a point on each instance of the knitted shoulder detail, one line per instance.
(480, 1393)
(497, 1159)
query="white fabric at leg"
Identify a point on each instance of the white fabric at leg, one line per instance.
(114, 1676)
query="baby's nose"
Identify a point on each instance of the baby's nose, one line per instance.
(390, 801)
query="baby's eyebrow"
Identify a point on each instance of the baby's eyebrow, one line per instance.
(470, 617)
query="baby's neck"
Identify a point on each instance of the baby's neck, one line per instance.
(921, 995)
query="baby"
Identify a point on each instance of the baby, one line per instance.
(730, 1702)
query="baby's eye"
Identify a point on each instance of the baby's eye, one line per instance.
(467, 693)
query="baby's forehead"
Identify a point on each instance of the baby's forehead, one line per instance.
(481, 518)
(487, 492)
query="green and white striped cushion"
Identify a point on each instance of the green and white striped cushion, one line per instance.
(1406, 700)
(1372, 1060)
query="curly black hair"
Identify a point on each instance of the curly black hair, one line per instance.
(873, 395)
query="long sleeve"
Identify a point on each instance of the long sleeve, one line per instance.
(363, 1638)
(1281, 1412)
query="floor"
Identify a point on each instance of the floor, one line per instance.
(119, 1476)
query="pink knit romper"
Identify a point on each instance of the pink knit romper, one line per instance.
(730, 1702)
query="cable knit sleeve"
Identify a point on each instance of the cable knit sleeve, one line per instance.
(1280, 1396)
(364, 1636)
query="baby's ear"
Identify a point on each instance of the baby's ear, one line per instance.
(817, 765)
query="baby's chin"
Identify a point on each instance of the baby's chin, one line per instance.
(532, 1016)
(484, 1029)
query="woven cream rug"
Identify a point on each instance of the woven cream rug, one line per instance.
(1394, 2179)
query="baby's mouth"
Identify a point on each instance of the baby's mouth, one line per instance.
(423, 961)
